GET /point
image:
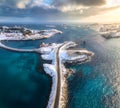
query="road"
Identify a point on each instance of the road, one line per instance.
(19, 50)
(59, 77)
(57, 98)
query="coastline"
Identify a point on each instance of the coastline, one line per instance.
(57, 71)
(58, 54)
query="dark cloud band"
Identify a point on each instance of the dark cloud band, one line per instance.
(79, 2)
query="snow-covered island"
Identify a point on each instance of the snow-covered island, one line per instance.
(110, 31)
(20, 33)
(107, 31)
(59, 54)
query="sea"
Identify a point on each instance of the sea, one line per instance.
(95, 84)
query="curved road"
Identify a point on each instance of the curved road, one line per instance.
(19, 50)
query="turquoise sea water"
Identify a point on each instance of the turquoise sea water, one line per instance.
(95, 84)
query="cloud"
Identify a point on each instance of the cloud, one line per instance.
(79, 2)
(14, 3)
(49, 3)
(54, 10)
(35, 12)
(20, 3)
(73, 5)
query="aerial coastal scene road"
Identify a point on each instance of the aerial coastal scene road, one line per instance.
(58, 53)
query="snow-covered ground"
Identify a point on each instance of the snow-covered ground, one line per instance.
(75, 55)
(49, 53)
(51, 70)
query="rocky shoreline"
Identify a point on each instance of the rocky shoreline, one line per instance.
(20, 33)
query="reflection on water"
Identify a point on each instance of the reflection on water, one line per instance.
(98, 85)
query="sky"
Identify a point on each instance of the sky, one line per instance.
(60, 11)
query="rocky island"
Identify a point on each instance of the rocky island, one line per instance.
(21, 33)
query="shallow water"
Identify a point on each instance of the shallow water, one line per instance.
(95, 84)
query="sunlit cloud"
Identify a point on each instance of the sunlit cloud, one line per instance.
(22, 3)
(72, 8)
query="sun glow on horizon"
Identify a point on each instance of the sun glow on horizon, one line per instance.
(108, 17)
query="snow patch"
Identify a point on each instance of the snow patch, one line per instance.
(50, 69)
